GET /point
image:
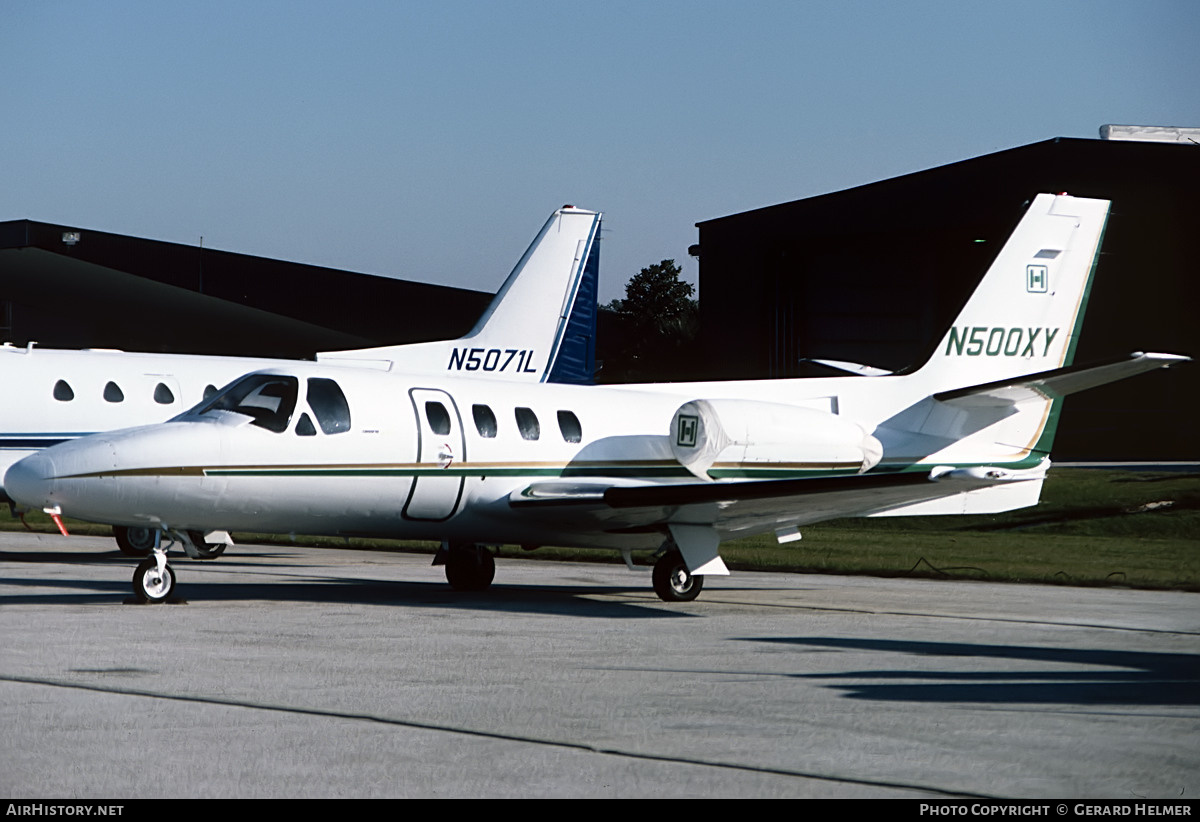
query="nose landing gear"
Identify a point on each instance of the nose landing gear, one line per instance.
(153, 580)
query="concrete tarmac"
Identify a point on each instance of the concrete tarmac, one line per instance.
(294, 672)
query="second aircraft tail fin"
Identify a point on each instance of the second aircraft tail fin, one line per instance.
(540, 327)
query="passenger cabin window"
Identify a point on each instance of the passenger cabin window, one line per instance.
(327, 401)
(439, 418)
(527, 423)
(210, 391)
(269, 399)
(63, 392)
(485, 421)
(569, 425)
(113, 392)
(163, 395)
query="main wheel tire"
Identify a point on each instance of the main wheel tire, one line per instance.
(470, 568)
(206, 550)
(673, 582)
(134, 540)
(151, 586)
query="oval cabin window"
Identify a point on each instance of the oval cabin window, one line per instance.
(569, 425)
(113, 392)
(485, 421)
(527, 424)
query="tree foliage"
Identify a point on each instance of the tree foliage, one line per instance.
(659, 319)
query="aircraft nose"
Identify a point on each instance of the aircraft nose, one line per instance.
(31, 481)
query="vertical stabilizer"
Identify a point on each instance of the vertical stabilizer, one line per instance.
(539, 328)
(1023, 319)
(1026, 314)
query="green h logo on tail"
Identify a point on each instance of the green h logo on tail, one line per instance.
(1037, 279)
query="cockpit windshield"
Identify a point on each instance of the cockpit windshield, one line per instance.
(269, 399)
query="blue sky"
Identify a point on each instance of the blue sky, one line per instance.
(431, 140)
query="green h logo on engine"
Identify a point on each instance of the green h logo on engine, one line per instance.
(685, 436)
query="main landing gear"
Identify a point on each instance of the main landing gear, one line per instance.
(468, 567)
(138, 541)
(134, 541)
(471, 567)
(673, 582)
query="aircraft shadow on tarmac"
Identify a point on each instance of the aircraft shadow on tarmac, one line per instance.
(322, 588)
(1139, 678)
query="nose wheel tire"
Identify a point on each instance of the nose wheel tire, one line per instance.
(151, 586)
(134, 541)
(673, 582)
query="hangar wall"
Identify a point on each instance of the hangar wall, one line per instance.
(875, 274)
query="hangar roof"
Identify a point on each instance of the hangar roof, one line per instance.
(1081, 167)
(69, 287)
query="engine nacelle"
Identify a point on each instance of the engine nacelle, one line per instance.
(730, 434)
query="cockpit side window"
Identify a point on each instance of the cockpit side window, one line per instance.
(305, 428)
(327, 401)
(269, 399)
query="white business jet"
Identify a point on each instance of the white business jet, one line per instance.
(475, 461)
(537, 328)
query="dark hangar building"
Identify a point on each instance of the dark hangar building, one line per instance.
(67, 287)
(875, 275)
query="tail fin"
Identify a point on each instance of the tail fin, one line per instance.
(997, 380)
(1026, 314)
(539, 328)
(1024, 318)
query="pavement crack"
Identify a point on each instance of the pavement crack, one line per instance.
(495, 735)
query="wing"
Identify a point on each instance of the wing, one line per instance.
(743, 508)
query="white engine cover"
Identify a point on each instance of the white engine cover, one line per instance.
(706, 432)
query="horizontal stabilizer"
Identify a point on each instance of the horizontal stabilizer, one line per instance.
(1056, 383)
(850, 367)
